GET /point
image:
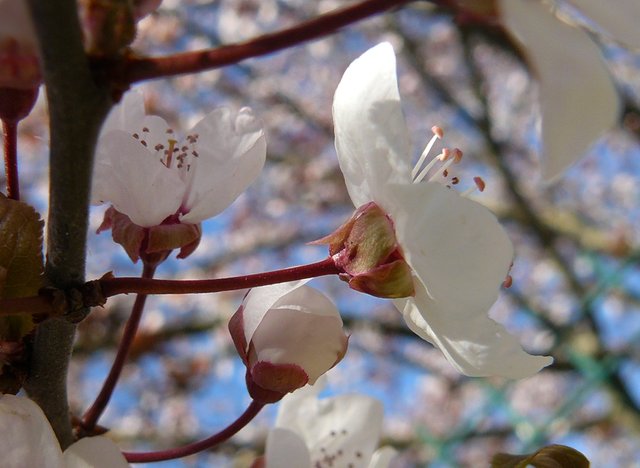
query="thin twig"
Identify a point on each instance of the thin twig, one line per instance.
(92, 415)
(140, 69)
(196, 447)
(10, 133)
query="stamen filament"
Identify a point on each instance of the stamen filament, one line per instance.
(441, 157)
(437, 134)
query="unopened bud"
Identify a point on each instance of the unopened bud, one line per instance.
(279, 358)
(19, 57)
(365, 248)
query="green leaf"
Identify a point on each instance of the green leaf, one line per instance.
(552, 456)
(21, 262)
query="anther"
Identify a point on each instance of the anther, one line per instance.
(145, 129)
(508, 282)
(479, 183)
(457, 155)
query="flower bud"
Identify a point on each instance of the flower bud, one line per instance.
(151, 244)
(19, 58)
(366, 249)
(287, 335)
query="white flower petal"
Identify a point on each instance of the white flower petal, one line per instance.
(383, 457)
(619, 18)
(232, 152)
(346, 426)
(371, 135)
(454, 245)
(258, 301)
(474, 344)
(128, 176)
(127, 115)
(286, 448)
(27, 438)
(313, 338)
(94, 452)
(578, 98)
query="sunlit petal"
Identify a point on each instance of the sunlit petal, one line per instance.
(454, 245)
(473, 343)
(232, 151)
(127, 176)
(371, 135)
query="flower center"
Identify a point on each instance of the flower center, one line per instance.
(333, 450)
(167, 148)
(445, 159)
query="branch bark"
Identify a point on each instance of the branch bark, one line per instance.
(140, 69)
(77, 107)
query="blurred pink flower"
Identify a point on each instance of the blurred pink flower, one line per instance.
(457, 250)
(288, 335)
(28, 441)
(578, 99)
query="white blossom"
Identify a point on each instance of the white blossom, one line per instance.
(29, 441)
(341, 431)
(459, 253)
(146, 172)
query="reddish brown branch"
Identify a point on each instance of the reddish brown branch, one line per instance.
(206, 444)
(139, 69)
(113, 286)
(90, 418)
(10, 132)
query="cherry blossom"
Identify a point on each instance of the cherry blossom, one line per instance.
(337, 431)
(28, 440)
(155, 179)
(281, 359)
(458, 252)
(578, 99)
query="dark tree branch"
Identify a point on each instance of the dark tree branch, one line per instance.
(77, 106)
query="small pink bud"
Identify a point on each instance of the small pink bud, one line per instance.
(287, 335)
(366, 249)
(151, 244)
(19, 57)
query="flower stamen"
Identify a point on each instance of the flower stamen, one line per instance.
(479, 185)
(438, 133)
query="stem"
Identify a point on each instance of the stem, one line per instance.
(10, 133)
(77, 104)
(126, 285)
(113, 286)
(139, 69)
(92, 415)
(252, 410)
